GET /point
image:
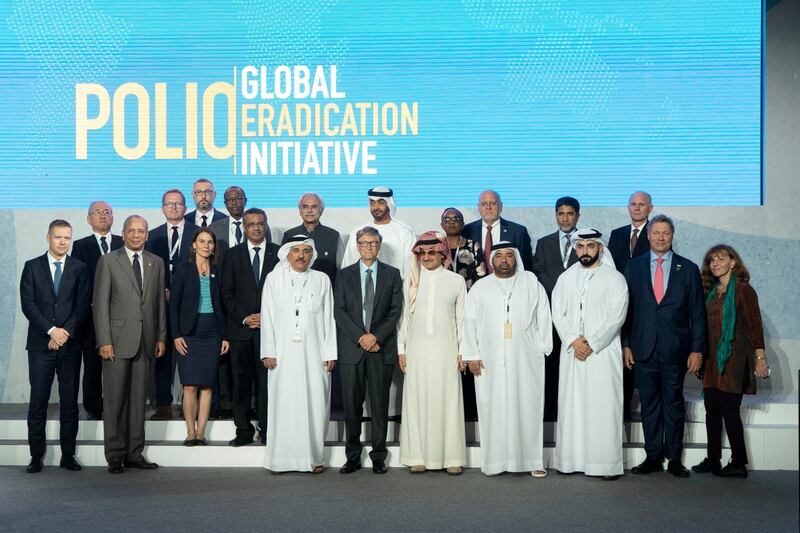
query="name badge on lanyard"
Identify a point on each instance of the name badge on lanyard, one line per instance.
(296, 333)
(507, 331)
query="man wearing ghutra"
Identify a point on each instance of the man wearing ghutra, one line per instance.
(429, 343)
(398, 237)
(590, 303)
(508, 334)
(298, 347)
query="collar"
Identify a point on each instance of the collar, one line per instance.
(180, 225)
(639, 227)
(667, 256)
(131, 252)
(51, 259)
(262, 246)
(107, 236)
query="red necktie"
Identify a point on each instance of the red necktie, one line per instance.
(658, 284)
(487, 249)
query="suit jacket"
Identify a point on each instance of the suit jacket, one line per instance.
(676, 326)
(215, 215)
(124, 317)
(184, 299)
(221, 229)
(45, 309)
(158, 242)
(547, 264)
(517, 234)
(348, 312)
(328, 244)
(619, 244)
(88, 251)
(240, 294)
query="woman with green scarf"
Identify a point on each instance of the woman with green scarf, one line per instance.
(736, 356)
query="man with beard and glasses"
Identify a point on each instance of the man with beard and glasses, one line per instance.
(590, 302)
(204, 194)
(508, 334)
(398, 237)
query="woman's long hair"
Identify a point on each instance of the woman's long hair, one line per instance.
(739, 269)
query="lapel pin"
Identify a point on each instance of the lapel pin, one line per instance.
(678, 266)
(149, 264)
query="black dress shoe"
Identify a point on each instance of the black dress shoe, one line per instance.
(163, 412)
(240, 441)
(93, 416)
(732, 470)
(190, 442)
(677, 469)
(379, 467)
(141, 464)
(69, 463)
(706, 466)
(201, 442)
(611, 478)
(349, 468)
(648, 466)
(35, 466)
(115, 467)
(224, 414)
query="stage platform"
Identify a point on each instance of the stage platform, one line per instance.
(771, 432)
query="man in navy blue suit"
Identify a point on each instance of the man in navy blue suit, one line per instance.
(170, 241)
(54, 295)
(491, 229)
(664, 337)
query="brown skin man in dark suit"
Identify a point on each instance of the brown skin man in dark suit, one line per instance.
(366, 324)
(130, 322)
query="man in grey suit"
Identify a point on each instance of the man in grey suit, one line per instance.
(130, 321)
(367, 303)
(554, 254)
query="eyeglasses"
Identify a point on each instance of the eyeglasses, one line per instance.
(368, 244)
(452, 219)
(428, 252)
(489, 203)
(203, 192)
(100, 212)
(173, 205)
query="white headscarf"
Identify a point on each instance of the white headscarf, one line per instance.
(294, 240)
(521, 280)
(383, 193)
(591, 234)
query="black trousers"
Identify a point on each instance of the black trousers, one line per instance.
(551, 365)
(724, 406)
(224, 392)
(248, 372)
(92, 373)
(369, 376)
(42, 368)
(663, 410)
(628, 384)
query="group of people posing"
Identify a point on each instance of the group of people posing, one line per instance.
(467, 322)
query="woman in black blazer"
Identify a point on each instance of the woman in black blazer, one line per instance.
(197, 321)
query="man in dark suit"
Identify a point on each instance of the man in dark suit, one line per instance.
(130, 323)
(625, 243)
(89, 250)
(172, 242)
(243, 273)
(327, 241)
(554, 254)
(493, 229)
(54, 294)
(663, 337)
(367, 303)
(204, 195)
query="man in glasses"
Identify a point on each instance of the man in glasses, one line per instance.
(491, 228)
(367, 303)
(204, 195)
(171, 242)
(89, 250)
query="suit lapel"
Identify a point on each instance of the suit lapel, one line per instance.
(675, 273)
(127, 267)
(147, 269)
(44, 265)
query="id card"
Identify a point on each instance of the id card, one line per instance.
(296, 335)
(507, 331)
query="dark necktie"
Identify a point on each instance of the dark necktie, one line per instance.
(57, 276)
(487, 250)
(238, 231)
(137, 272)
(174, 238)
(205, 222)
(634, 238)
(369, 299)
(103, 245)
(256, 264)
(565, 256)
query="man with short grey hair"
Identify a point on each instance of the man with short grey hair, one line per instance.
(204, 194)
(327, 241)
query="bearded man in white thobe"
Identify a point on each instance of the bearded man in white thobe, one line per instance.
(508, 334)
(398, 237)
(298, 347)
(590, 301)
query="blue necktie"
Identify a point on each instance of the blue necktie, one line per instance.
(57, 276)
(256, 264)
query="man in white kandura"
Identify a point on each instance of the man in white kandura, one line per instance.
(398, 237)
(590, 301)
(429, 347)
(508, 334)
(298, 347)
